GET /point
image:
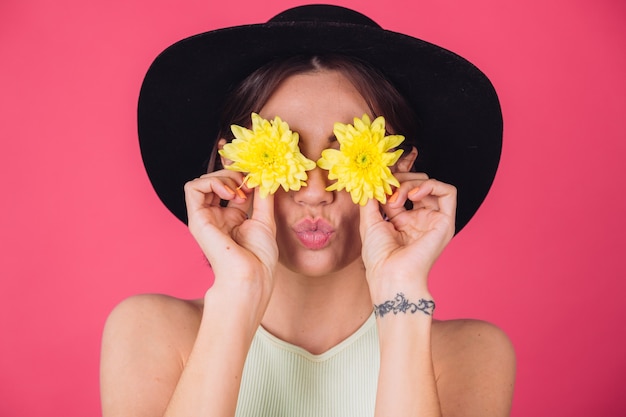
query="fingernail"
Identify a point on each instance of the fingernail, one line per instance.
(414, 190)
(394, 196)
(230, 190)
(241, 193)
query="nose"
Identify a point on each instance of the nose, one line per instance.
(315, 193)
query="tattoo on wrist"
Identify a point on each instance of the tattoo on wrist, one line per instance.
(401, 305)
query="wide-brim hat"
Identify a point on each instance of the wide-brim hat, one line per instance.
(460, 120)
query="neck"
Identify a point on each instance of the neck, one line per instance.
(317, 313)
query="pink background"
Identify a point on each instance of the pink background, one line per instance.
(82, 229)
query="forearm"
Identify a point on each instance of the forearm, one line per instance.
(406, 384)
(209, 384)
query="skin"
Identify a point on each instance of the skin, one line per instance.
(160, 355)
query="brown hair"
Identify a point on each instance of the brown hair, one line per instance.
(254, 91)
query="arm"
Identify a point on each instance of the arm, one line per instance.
(398, 255)
(245, 253)
(209, 383)
(406, 384)
(144, 349)
(143, 374)
(475, 368)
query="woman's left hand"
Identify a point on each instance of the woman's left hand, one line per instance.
(404, 247)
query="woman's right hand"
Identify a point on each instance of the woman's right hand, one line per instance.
(240, 249)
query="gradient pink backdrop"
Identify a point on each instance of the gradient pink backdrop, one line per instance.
(82, 229)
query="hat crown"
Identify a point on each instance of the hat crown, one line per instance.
(460, 121)
(323, 13)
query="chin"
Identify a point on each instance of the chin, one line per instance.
(318, 263)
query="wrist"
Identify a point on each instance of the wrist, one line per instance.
(385, 288)
(244, 302)
(401, 304)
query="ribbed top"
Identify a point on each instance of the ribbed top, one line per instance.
(284, 380)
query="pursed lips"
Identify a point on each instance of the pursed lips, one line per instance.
(314, 234)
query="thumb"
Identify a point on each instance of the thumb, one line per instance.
(263, 208)
(370, 215)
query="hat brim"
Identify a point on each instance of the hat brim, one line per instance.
(459, 113)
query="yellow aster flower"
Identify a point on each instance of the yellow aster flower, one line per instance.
(361, 165)
(269, 154)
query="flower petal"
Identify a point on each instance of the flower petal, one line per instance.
(360, 166)
(269, 153)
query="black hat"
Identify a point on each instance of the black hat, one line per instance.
(460, 121)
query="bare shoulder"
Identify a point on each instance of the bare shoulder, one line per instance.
(154, 315)
(470, 338)
(145, 344)
(157, 306)
(474, 364)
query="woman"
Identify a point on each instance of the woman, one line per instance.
(320, 306)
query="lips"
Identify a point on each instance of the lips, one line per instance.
(313, 234)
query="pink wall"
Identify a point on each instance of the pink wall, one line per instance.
(82, 229)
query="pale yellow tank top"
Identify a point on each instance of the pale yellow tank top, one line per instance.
(283, 380)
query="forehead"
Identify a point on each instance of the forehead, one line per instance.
(315, 100)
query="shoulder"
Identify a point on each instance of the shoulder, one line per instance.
(142, 304)
(150, 312)
(145, 345)
(470, 337)
(474, 363)
(142, 322)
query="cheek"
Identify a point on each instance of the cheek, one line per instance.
(283, 212)
(347, 216)
(281, 200)
(350, 227)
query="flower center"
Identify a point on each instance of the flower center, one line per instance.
(363, 159)
(268, 154)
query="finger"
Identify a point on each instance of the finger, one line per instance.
(232, 179)
(197, 190)
(263, 208)
(209, 191)
(243, 199)
(369, 215)
(396, 202)
(428, 202)
(435, 195)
